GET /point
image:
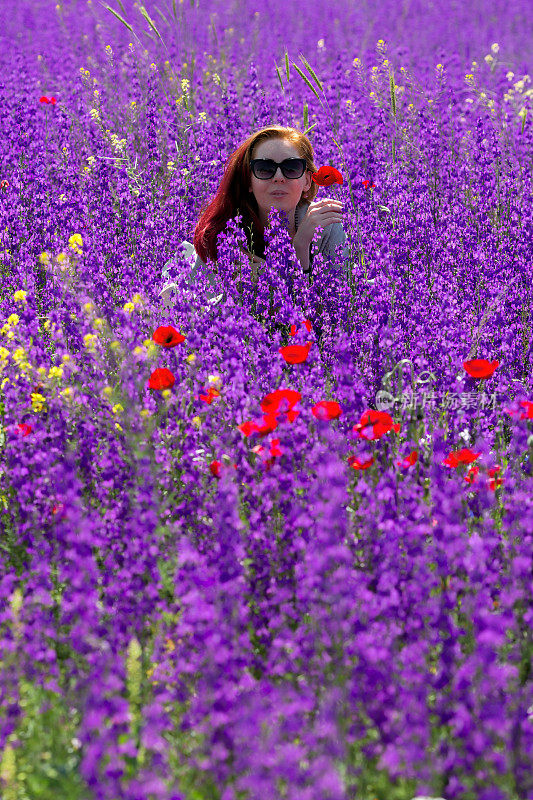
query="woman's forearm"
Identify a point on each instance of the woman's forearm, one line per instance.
(302, 254)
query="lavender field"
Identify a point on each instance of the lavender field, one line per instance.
(281, 549)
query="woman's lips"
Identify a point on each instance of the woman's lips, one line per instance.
(279, 194)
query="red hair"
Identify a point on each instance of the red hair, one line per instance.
(233, 197)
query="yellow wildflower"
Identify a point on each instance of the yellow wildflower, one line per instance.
(98, 322)
(66, 358)
(66, 393)
(196, 421)
(44, 258)
(137, 299)
(144, 412)
(166, 393)
(13, 319)
(138, 351)
(55, 372)
(19, 354)
(4, 354)
(128, 307)
(118, 408)
(191, 358)
(215, 380)
(118, 427)
(37, 402)
(61, 258)
(20, 296)
(88, 307)
(89, 340)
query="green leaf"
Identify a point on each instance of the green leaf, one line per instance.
(117, 15)
(150, 22)
(306, 79)
(312, 72)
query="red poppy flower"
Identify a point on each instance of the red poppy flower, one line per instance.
(167, 336)
(210, 395)
(480, 368)
(366, 184)
(52, 101)
(472, 474)
(275, 449)
(307, 325)
(327, 176)
(295, 353)
(408, 461)
(464, 456)
(494, 481)
(161, 378)
(528, 406)
(279, 401)
(326, 410)
(214, 468)
(23, 429)
(268, 424)
(375, 424)
(44, 99)
(356, 463)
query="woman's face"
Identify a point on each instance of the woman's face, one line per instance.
(281, 192)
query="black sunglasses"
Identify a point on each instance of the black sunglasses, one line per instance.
(265, 168)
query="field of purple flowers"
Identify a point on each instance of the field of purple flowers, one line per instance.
(235, 571)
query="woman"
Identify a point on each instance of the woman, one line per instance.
(272, 168)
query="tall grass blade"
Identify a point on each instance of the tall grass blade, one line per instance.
(151, 23)
(312, 72)
(279, 78)
(306, 79)
(287, 66)
(306, 115)
(310, 129)
(117, 15)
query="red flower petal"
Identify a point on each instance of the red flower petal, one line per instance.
(161, 378)
(456, 457)
(293, 330)
(295, 353)
(214, 468)
(480, 367)
(472, 474)
(326, 410)
(167, 336)
(209, 396)
(248, 427)
(268, 424)
(327, 176)
(53, 101)
(355, 463)
(375, 424)
(528, 406)
(409, 460)
(275, 449)
(44, 99)
(308, 326)
(23, 429)
(280, 400)
(494, 481)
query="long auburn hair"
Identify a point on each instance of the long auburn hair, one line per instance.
(233, 197)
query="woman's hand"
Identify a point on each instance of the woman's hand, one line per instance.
(319, 215)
